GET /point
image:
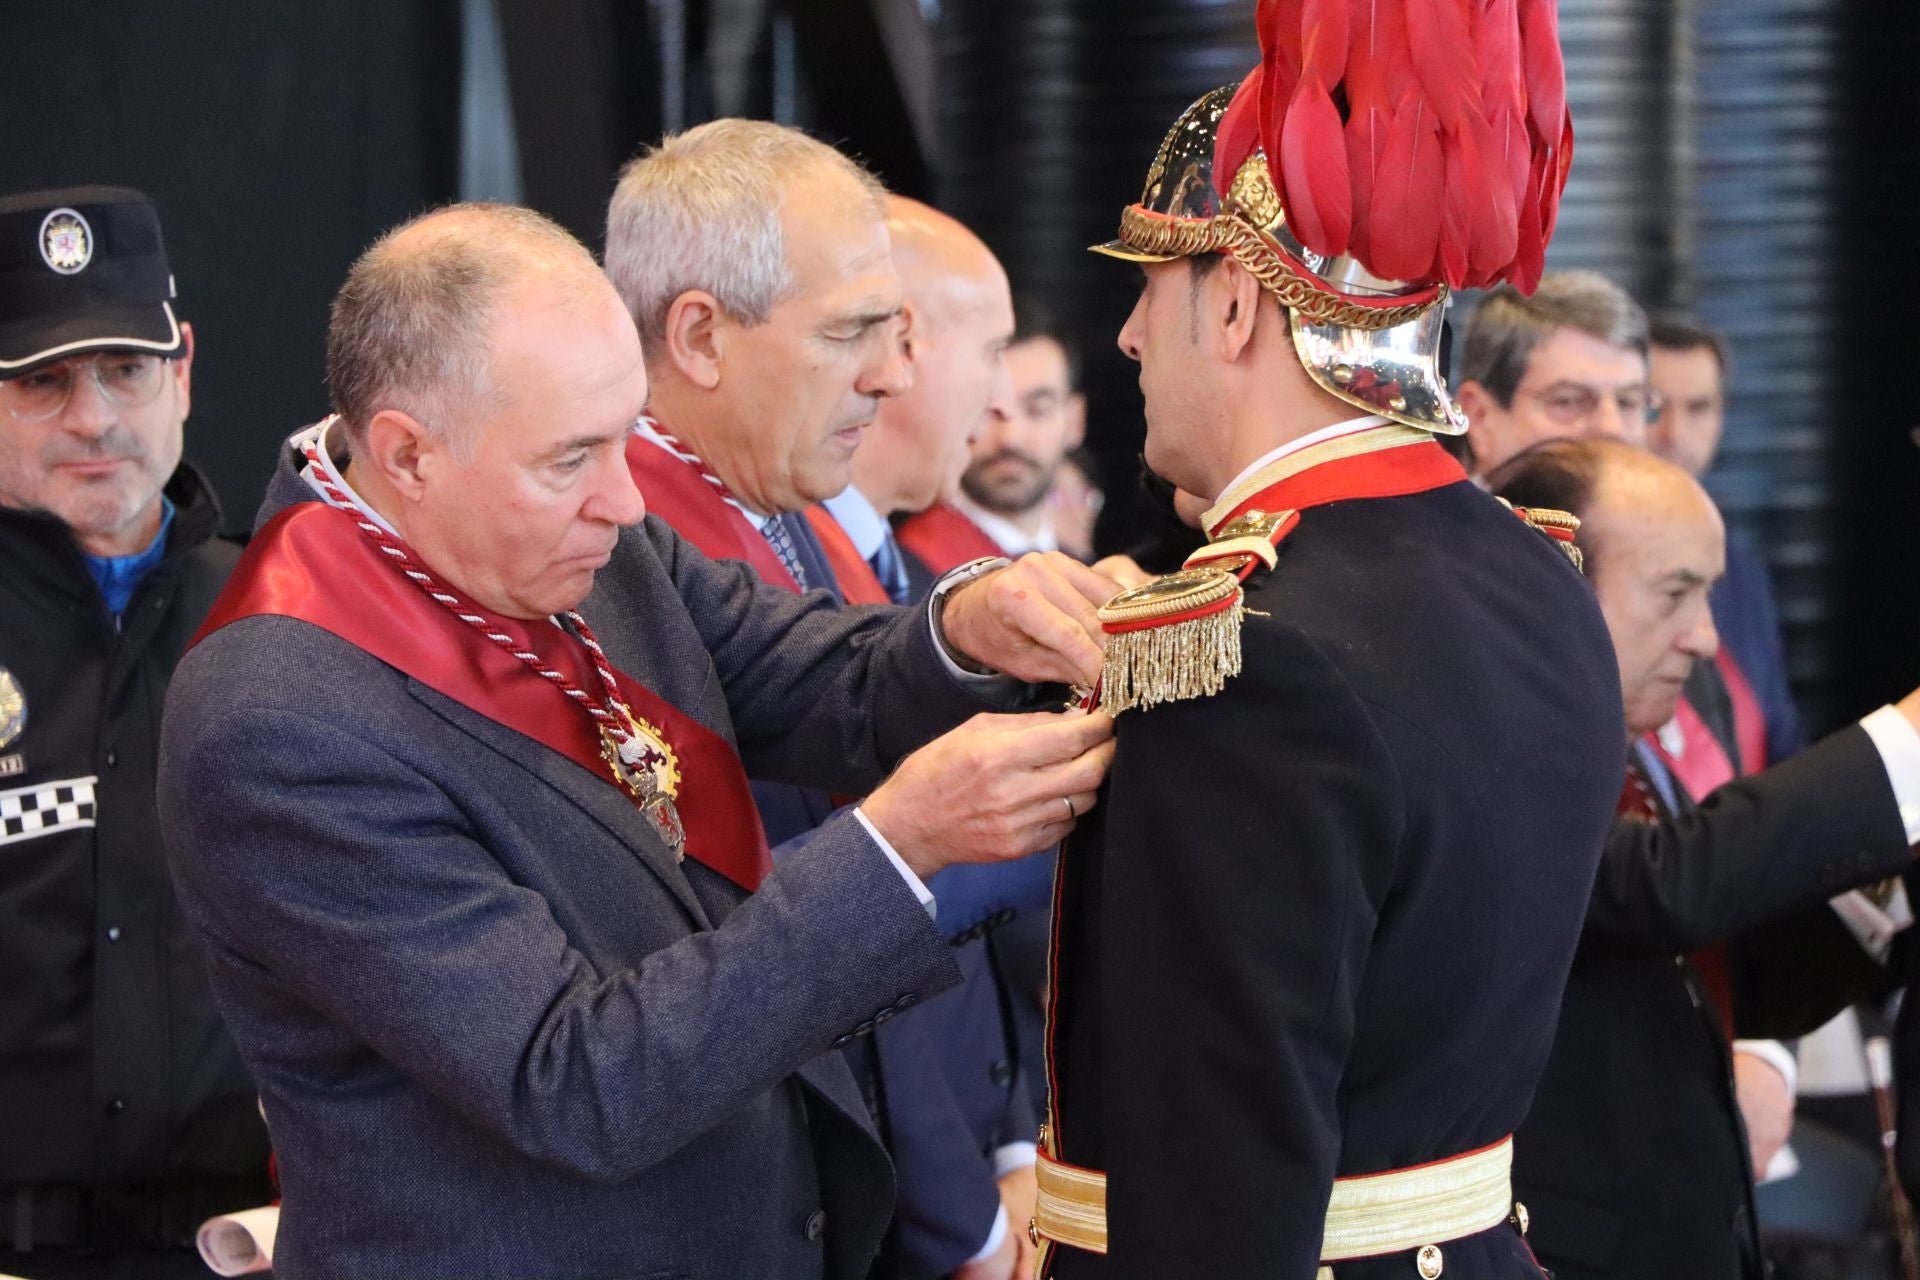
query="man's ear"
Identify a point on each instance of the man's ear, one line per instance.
(695, 337)
(1478, 404)
(181, 366)
(911, 331)
(1235, 301)
(1076, 420)
(398, 445)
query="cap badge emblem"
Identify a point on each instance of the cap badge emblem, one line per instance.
(66, 241)
(13, 709)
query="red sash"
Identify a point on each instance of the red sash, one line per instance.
(310, 562)
(945, 539)
(1701, 766)
(1702, 763)
(1749, 720)
(681, 496)
(851, 573)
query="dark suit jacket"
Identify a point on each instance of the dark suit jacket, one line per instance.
(1320, 923)
(1633, 1161)
(498, 1031)
(934, 1078)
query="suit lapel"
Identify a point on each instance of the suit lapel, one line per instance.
(598, 798)
(830, 1078)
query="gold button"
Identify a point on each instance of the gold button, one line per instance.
(1429, 1261)
(1520, 1218)
(1399, 405)
(1343, 374)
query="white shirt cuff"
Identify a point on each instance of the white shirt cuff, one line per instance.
(1013, 1156)
(1899, 745)
(914, 882)
(995, 1237)
(1871, 925)
(1775, 1055)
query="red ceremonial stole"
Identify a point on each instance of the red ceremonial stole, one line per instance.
(677, 493)
(851, 573)
(1701, 763)
(1701, 766)
(945, 539)
(1387, 461)
(1749, 720)
(312, 562)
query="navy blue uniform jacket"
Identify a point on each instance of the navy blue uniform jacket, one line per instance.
(1320, 924)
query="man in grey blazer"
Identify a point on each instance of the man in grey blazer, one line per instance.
(483, 894)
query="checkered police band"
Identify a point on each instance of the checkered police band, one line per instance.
(45, 808)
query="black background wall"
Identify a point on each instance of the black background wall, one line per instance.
(1752, 159)
(277, 139)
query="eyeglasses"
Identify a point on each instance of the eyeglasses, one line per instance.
(1568, 403)
(127, 379)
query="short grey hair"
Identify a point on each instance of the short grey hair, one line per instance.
(1508, 327)
(702, 211)
(410, 327)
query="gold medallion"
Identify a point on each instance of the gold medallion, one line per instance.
(646, 767)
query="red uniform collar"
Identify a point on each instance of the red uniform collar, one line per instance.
(1386, 461)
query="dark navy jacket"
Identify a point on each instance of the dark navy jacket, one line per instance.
(948, 1090)
(1634, 1161)
(1320, 923)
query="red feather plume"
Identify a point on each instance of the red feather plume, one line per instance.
(1429, 138)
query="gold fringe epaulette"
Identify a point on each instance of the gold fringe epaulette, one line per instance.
(1178, 636)
(1560, 526)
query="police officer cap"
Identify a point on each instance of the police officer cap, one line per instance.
(82, 269)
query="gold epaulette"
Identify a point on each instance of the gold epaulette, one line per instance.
(1560, 526)
(1178, 636)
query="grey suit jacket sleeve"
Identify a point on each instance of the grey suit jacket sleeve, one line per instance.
(363, 888)
(822, 695)
(1759, 847)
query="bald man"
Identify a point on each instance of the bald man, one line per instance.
(1633, 1160)
(958, 321)
(759, 268)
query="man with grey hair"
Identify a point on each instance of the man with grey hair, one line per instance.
(758, 268)
(1571, 361)
(484, 892)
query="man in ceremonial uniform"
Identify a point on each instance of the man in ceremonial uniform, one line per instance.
(757, 265)
(126, 1116)
(1308, 952)
(1634, 1159)
(485, 894)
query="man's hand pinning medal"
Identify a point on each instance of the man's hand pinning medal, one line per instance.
(991, 790)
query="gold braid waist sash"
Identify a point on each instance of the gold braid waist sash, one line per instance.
(1372, 1214)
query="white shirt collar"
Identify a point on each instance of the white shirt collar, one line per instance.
(862, 522)
(1312, 438)
(1010, 537)
(334, 447)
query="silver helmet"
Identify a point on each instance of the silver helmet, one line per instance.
(1371, 342)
